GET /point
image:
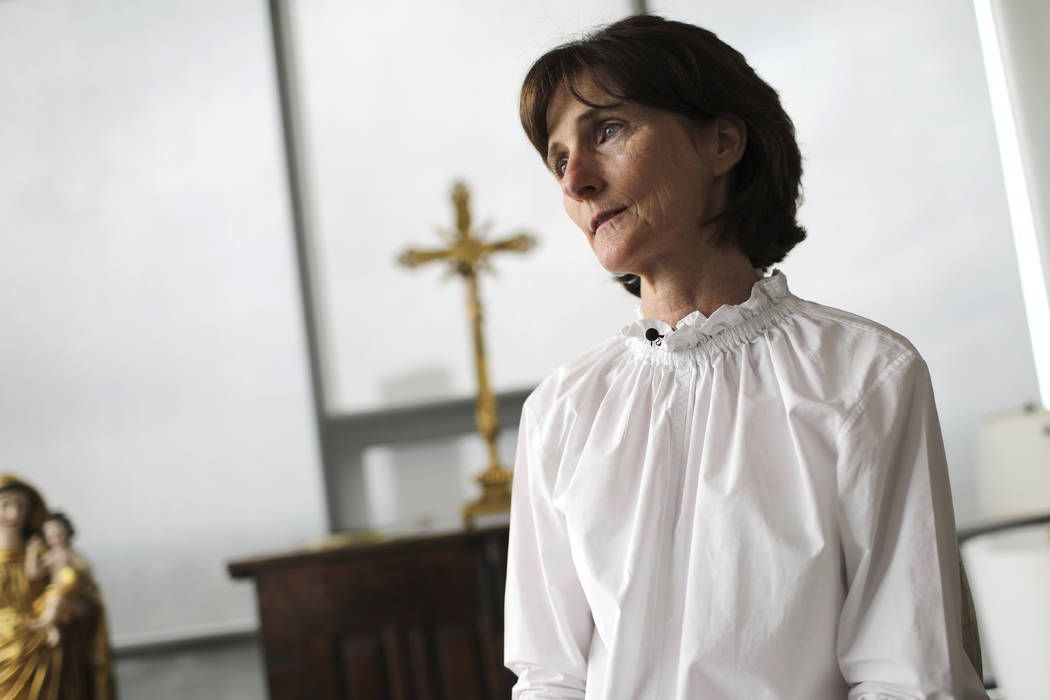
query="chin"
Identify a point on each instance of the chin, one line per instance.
(610, 264)
(614, 259)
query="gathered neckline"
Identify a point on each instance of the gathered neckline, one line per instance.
(697, 336)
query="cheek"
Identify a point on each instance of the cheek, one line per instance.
(658, 204)
(575, 212)
(643, 181)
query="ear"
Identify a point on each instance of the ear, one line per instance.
(726, 140)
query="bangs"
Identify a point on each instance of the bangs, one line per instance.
(565, 67)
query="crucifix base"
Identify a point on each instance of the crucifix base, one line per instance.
(495, 495)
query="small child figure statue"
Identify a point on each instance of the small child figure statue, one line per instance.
(70, 577)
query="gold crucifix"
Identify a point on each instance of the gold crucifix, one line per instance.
(466, 255)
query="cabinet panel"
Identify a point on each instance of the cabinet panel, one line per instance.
(409, 619)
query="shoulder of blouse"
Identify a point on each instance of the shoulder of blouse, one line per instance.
(884, 341)
(597, 365)
(551, 411)
(848, 345)
(864, 358)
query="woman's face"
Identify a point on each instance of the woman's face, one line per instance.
(635, 179)
(14, 505)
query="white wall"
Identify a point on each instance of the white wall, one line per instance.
(1021, 29)
(393, 112)
(153, 379)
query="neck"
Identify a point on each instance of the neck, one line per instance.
(725, 277)
(10, 539)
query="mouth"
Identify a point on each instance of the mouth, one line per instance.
(605, 216)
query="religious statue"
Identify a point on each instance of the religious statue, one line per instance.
(54, 641)
(466, 255)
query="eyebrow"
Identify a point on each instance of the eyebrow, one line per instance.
(583, 116)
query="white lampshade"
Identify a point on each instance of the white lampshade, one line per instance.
(1013, 464)
(1009, 574)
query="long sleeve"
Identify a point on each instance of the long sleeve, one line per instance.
(900, 628)
(548, 622)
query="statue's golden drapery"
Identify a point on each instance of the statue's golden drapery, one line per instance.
(77, 665)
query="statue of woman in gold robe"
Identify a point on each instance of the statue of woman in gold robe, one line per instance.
(53, 637)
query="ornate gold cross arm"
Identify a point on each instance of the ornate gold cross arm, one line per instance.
(466, 254)
(521, 243)
(415, 258)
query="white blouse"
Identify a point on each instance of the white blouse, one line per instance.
(754, 505)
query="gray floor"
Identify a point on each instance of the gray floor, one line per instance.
(230, 670)
(226, 670)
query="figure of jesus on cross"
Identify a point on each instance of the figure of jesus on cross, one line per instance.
(466, 255)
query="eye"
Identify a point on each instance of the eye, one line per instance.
(558, 166)
(607, 130)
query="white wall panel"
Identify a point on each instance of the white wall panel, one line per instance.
(397, 101)
(153, 376)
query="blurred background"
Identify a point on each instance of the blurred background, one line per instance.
(208, 350)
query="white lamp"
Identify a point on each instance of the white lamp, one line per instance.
(1013, 464)
(1009, 574)
(1009, 571)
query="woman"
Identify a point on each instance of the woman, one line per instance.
(34, 665)
(745, 494)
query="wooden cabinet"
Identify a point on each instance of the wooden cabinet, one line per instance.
(406, 619)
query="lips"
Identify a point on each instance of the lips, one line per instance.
(603, 217)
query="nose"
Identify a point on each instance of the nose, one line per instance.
(582, 178)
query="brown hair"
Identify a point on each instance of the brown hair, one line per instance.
(62, 518)
(689, 71)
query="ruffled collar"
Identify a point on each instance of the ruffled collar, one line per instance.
(696, 328)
